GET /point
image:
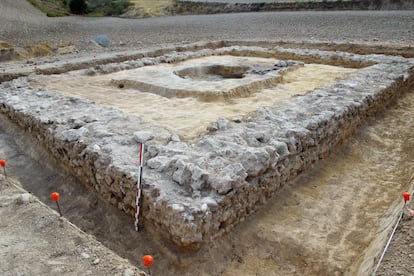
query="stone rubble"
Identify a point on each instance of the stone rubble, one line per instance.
(198, 190)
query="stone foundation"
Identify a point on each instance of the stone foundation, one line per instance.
(198, 190)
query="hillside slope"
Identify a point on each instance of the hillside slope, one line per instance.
(17, 10)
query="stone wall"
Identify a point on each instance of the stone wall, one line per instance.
(198, 190)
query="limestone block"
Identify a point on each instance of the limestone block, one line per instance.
(143, 136)
(182, 174)
(281, 148)
(255, 161)
(159, 163)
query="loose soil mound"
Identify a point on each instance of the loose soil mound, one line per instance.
(34, 240)
(9, 53)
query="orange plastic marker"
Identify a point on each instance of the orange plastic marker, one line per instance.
(406, 196)
(3, 164)
(55, 197)
(148, 259)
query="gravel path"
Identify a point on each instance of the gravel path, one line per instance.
(21, 24)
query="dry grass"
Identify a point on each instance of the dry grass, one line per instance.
(151, 7)
(51, 7)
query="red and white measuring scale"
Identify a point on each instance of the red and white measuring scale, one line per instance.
(139, 187)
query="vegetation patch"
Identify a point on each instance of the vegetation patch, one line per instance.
(108, 7)
(52, 7)
(82, 7)
(149, 8)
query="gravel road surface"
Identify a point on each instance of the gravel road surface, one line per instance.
(21, 24)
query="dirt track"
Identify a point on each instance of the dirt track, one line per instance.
(22, 24)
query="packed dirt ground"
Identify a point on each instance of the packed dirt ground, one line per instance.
(303, 241)
(36, 241)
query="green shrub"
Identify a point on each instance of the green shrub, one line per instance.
(78, 6)
(117, 7)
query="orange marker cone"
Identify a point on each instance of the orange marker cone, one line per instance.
(148, 259)
(55, 197)
(406, 196)
(3, 164)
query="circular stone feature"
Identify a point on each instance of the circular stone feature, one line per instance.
(212, 72)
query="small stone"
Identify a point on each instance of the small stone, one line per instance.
(143, 136)
(281, 63)
(128, 272)
(96, 261)
(237, 119)
(281, 147)
(178, 207)
(255, 161)
(291, 63)
(175, 138)
(85, 255)
(72, 135)
(96, 148)
(102, 40)
(182, 175)
(159, 163)
(90, 72)
(24, 199)
(213, 126)
(210, 202)
(222, 123)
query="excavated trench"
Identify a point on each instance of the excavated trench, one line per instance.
(232, 129)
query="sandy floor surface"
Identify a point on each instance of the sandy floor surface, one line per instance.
(189, 117)
(328, 217)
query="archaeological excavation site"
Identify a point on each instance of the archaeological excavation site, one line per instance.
(227, 128)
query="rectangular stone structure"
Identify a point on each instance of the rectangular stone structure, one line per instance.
(198, 189)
